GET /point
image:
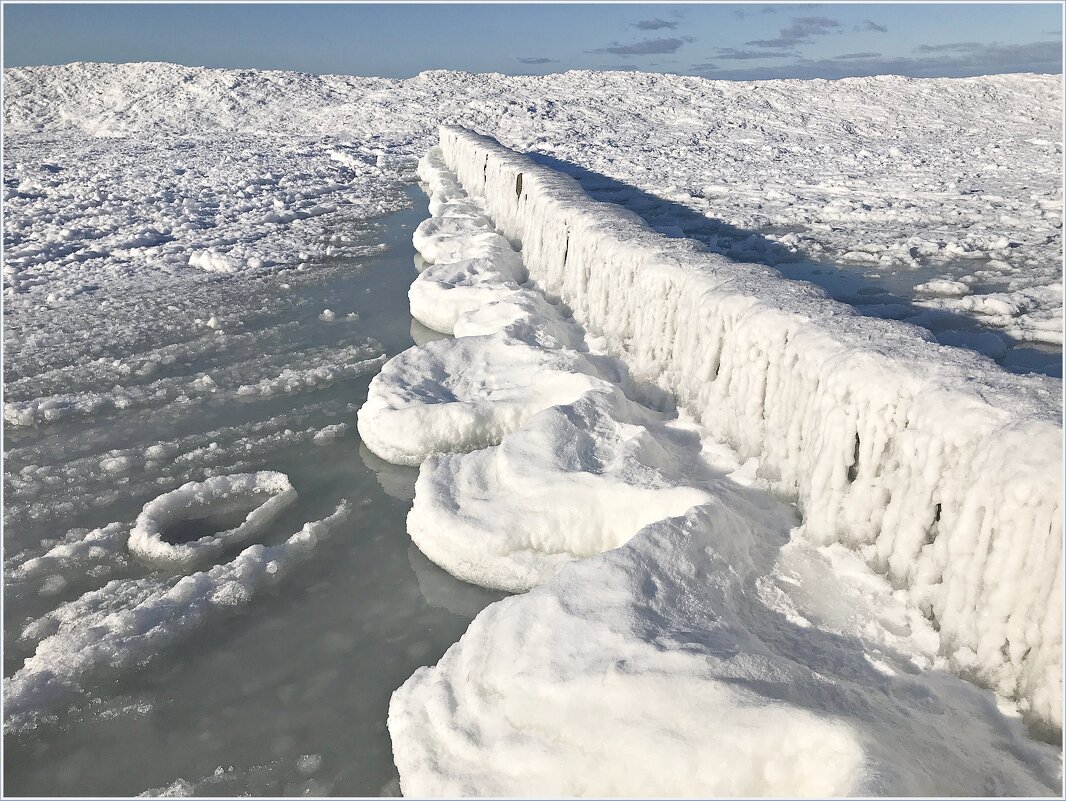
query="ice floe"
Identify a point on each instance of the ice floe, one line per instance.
(127, 622)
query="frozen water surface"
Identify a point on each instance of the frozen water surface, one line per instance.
(194, 306)
(289, 693)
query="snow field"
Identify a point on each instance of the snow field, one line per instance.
(944, 472)
(663, 593)
(896, 181)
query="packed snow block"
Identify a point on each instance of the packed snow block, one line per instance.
(941, 469)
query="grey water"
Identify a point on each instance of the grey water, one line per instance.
(289, 695)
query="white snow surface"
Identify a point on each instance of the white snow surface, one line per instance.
(147, 206)
(664, 668)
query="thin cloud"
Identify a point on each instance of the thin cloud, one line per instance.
(870, 25)
(799, 31)
(538, 60)
(654, 24)
(953, 60)
(806, 27)
(772, 43)
(645, 47)
(732, 54)
(952, 47)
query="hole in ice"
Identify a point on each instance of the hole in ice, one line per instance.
(934, 527)
(191, 529)
(518, 186)
(199, 520)
(853, 470)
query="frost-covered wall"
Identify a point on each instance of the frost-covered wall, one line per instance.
(942, 470)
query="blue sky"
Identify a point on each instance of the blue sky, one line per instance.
(738, 40)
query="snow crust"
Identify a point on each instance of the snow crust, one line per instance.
(942, 471)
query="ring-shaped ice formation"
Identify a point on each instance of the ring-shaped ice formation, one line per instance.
(267, 492)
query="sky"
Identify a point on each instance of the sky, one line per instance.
(743, 41)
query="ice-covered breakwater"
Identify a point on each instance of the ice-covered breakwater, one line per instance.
(943, 471)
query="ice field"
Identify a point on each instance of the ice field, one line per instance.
(349, 455)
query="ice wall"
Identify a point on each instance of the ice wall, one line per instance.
(942, 470)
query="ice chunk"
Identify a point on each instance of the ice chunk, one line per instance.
(212, 261)
(944, 287)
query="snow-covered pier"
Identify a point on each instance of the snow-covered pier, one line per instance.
(615, 431)
(942, 470)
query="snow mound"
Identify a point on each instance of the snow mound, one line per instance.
(462, 394)
(468, 267)
(526, 315)
(265, 494)
(444, 292)
(659, 669)
(573, 481)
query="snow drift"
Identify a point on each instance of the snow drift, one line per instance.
(941, 470)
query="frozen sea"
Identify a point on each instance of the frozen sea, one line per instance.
(204, 271)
